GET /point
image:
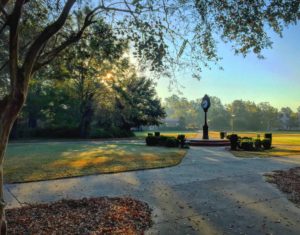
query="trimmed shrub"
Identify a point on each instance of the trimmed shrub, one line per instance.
(257, 144)
(150, 134)
(222, 135)
(181, 139)
(152, 141)
(233, 141)
(164, 141)
(172, 142)
(157, 134)
(266, 143)
(268, 136)
(247, 144)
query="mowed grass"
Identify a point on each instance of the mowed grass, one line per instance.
(43, 161)
(284, 144)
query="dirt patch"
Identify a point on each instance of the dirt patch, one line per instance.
(288, 182)
(87, 216)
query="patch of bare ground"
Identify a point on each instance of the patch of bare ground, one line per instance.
(86, 216)
(288, 182)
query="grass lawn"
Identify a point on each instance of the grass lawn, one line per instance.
(53, 160)
(285, 144)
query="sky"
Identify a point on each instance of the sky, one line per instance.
(275, 79)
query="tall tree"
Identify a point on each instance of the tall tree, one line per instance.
(287, 118)
(150, 24)
(88, 64)
(268, 116)
(218, 115)
(137, 102)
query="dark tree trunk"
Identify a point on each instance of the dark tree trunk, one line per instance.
(14, 131)
(125, 125)
(32, 121)
(87, 113)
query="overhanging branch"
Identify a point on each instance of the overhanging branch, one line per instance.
(48, 57)
(46, 34)
(3, 11)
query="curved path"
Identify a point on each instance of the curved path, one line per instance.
(210, 192)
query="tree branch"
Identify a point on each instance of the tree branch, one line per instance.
(4, 65)
(3, 26)
(45, 35)
(7, 61)
(3, 2)
(48, 57)
(3, 11)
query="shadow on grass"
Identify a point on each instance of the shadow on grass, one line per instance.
(30, 162)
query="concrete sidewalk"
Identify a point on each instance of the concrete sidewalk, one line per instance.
(210, 192)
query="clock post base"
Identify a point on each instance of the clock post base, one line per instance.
(205, 132)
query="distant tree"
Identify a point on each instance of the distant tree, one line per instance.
(218, 115)
(237, 110)
(298, 115)
(182, 123)
(285, 115)
(177, 107)
(245, 115)
(268, 116)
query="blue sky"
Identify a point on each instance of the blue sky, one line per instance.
(275, 79)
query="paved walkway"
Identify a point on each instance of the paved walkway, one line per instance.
(210, 192)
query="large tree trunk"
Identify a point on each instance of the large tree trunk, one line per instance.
(9, 109)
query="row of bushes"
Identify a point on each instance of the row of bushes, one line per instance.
(60, 132)
(110, 133)
(250, 144)
(67, 132)
(166, 141)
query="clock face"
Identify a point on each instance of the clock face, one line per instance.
(204, 104)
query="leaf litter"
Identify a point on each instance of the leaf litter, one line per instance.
(288, 181)
(92, 216)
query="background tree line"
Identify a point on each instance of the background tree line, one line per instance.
(239, 115)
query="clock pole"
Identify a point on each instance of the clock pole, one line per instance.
(205, 128)
(205, 105)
